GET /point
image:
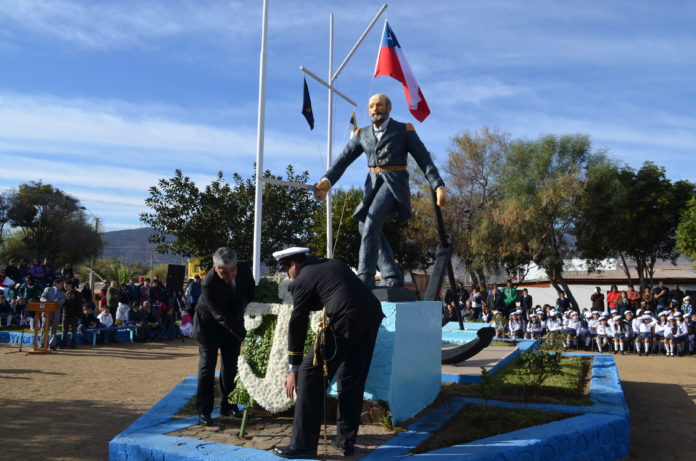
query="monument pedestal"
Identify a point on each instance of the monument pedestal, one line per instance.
(406, 365)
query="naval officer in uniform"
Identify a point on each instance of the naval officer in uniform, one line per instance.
(354, 319)
(386, 144)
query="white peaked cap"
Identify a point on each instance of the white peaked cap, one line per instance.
(278, 255)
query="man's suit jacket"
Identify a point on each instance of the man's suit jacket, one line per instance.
(219, 314)
(397, 141)
(352, 308)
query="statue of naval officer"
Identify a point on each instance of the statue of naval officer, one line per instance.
(386, 144)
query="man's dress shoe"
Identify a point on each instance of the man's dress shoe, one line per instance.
(293, 453)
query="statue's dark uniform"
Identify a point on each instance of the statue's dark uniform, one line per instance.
(386, 188)
(355, 315)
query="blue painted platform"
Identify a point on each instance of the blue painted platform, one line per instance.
(598, 432)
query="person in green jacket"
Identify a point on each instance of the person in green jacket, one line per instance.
(509, 297)
(27, 291)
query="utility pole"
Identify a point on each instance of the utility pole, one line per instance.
(91, 262)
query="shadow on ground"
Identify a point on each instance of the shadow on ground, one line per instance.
(69, 425)
(662, 418)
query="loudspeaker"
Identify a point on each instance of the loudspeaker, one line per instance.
(175, 277)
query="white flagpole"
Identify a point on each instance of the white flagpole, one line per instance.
(329, 150)
(258, 202)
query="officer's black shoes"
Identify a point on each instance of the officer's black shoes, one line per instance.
(348, 450)
(205, 420)
(291, 452)
(233, 411)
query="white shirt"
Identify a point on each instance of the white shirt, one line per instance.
(380, 131)
(592, 325)
(553, 324)
(105, 319)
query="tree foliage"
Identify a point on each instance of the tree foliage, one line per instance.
(540, 183)
(201, 220)
(51, 224)
(686, 232)
(473, 162)
(346, 237)
(632, 216)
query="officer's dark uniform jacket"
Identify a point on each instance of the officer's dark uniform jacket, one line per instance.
(391, 150)
(351, 307)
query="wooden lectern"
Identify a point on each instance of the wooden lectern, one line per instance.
(49, 308)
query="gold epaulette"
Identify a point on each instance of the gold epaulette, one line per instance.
(357, 130)
(409, 127)
(295, 353)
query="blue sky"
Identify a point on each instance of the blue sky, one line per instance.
(103, 98)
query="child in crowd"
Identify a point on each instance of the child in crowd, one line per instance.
(533, 330)
(498, 323)
(107, 321)
(686, 307)
(659, 332)
(592, 325)
(690, 321)
(573, 329)
(516, 325)
(186, 327)
(603, 332)
(645, 333)
(553, 322)
(122, 313)
(669, 331)
(619, 332)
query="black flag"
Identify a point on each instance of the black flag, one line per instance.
(307, 106)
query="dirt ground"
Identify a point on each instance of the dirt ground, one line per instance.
(67, 406)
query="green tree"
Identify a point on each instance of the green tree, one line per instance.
(346, 237)
(52, 224)
(201, 220)
(473, 162)
(631, 216)
(540, 183)
(686, 232)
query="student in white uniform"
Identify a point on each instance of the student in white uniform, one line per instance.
(690, 321)
(619, 333)
(498, 323)
(574, 330)
(516, 325)
(645, 333)
(592, 325)
(553, 322)
(659, 342)
(603, 332)
(669, 331)
(534, 327)
(682, 334)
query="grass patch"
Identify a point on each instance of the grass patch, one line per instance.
(569, 388)
(477, 422)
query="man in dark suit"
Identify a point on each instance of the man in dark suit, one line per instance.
(494, 301)
(386, 144)
(218, 323)
(354, 319)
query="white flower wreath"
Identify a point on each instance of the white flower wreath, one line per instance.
(269, 391)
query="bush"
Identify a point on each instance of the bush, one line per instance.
(535, 367)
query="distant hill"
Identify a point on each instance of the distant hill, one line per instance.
(131, 245)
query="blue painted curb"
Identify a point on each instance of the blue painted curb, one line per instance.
(522, 346)
(28, 338)
(601, 431)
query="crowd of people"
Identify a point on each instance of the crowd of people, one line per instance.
(144, 304)
(651, 321)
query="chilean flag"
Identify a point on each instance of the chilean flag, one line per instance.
(392, 63)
